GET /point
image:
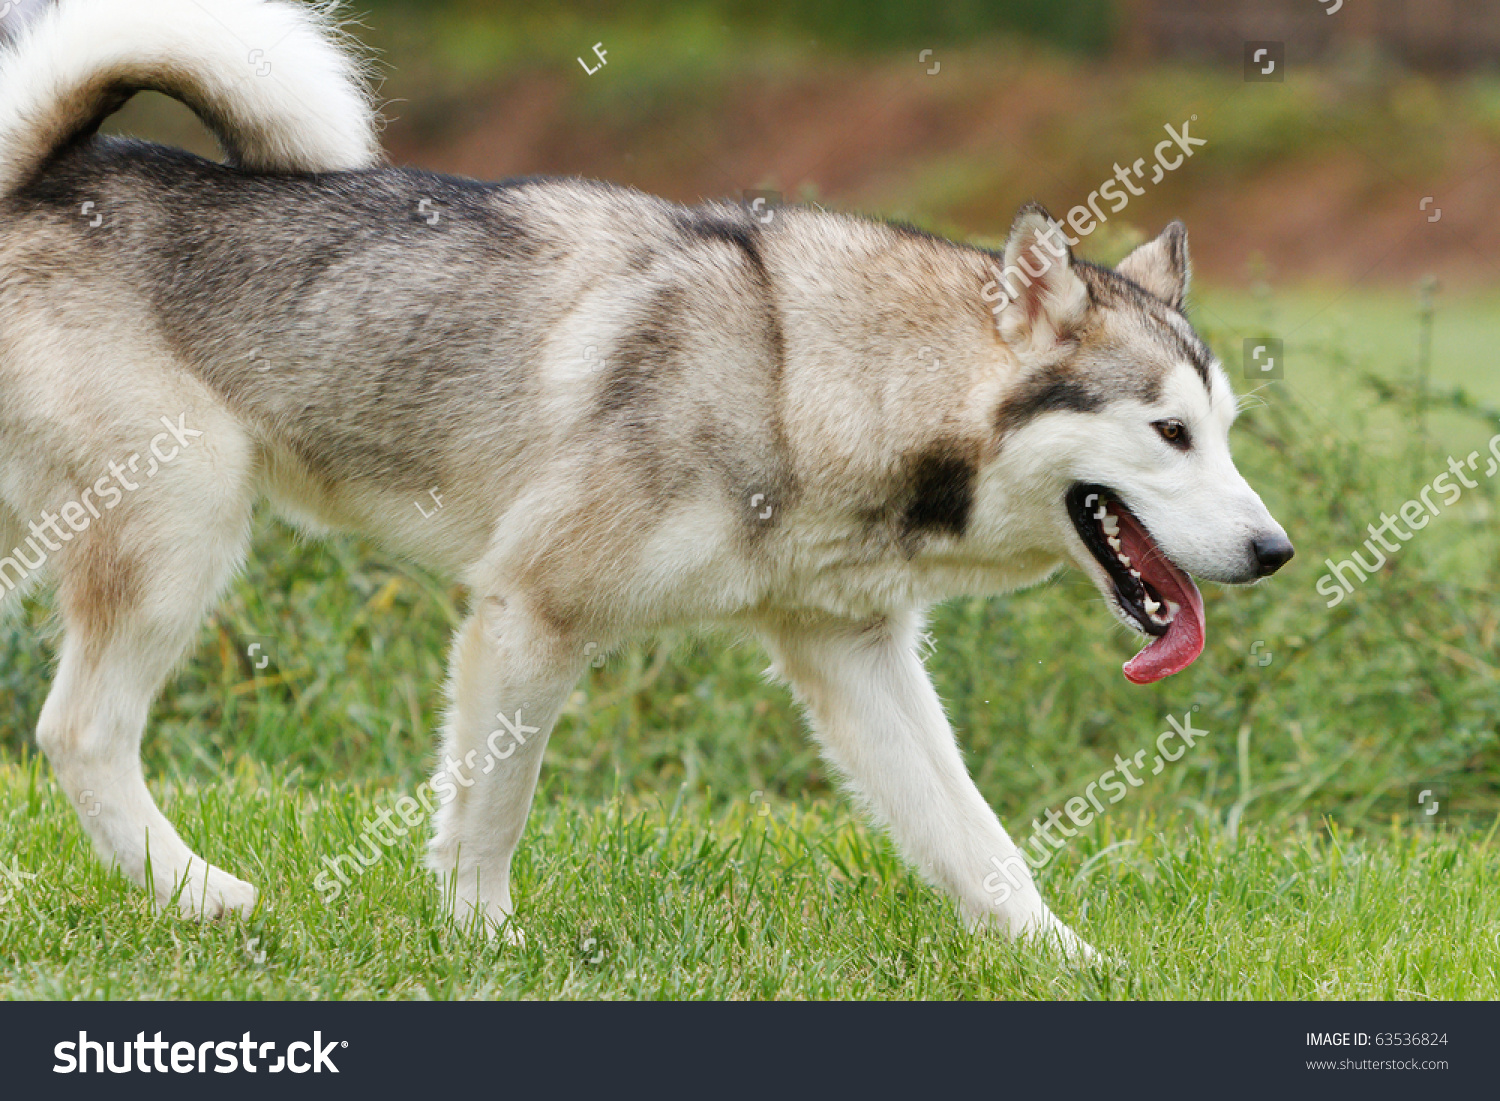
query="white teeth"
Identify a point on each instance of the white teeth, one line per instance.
(1154, 610)
(1114, 544)
(1124, 561)
(1135, 574)
(1110, 524)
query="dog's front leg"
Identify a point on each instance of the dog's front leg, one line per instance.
(509, 677)
(882, 726)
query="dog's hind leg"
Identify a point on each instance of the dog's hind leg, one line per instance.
(510, 674)
(132, 590)
(882, 726)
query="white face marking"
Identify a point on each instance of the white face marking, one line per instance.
(1193, 500)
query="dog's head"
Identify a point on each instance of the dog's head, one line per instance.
(1116, 424)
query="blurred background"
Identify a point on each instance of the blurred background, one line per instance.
(952, 114)
(1343, 205)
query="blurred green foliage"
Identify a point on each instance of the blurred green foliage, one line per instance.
(1083, 25)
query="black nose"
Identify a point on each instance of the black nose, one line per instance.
(1271, 553)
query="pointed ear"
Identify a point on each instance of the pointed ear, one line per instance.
(1162, 267)
(1045, 299)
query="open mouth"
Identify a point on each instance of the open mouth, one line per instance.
(1151, 594)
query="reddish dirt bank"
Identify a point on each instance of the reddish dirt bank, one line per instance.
(962, 150)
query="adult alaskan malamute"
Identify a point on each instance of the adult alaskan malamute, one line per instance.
(603, 412)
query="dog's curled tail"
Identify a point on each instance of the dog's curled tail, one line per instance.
(270, 78)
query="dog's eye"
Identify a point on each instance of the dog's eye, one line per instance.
(1174, 432)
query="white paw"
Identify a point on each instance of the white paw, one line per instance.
(1042, 929)
(213, 896)
(498, 924)
(1057, 936)
(493, 907)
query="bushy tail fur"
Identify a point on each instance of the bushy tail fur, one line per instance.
(270, 78)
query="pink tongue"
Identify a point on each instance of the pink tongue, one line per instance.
(1180, 646)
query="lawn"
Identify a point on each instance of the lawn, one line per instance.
(640, 899)
(688, 842)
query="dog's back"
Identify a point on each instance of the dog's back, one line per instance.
(380, 333)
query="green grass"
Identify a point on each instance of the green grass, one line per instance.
(1273, 860)
(1086, 26)
(621, 900)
